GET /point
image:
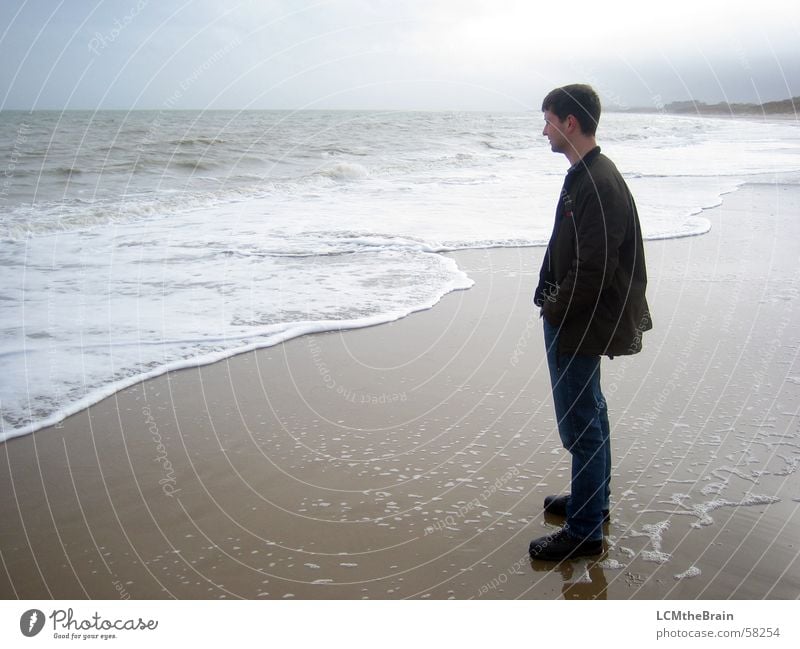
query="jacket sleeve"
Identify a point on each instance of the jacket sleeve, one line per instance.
(600, 225)
(544, 279)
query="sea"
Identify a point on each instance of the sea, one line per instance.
(135, 243)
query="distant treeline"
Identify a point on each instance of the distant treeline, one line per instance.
(782, 107)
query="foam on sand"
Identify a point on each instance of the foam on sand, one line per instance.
(703, 509)
(655, 532)
(693, 571)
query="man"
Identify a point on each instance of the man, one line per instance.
(592, 295)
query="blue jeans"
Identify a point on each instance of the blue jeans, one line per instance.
(582, 418)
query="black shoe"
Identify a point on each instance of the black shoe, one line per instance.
(557, 505)
(562, 545)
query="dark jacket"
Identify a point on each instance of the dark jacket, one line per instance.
(593, 277)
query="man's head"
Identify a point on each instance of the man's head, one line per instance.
(571, 115)
(578, 100)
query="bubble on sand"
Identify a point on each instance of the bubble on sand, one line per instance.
(702, 510)
(611, 564)
(688, 574)
(713, 488)
(655, 533)
(582, 573)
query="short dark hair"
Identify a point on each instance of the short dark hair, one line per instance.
(578, 100)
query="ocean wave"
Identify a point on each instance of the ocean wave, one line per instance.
(495, 146)
(174, 246)
(191, 141)
(332, 151)
(691, 228)
(66, 171)
(193, 165)
(75, 214)
(112, 350)
(787, 175)
(343, 172)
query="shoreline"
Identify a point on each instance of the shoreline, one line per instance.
(298, 330)
(362, 464)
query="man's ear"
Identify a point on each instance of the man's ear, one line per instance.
(572, 123)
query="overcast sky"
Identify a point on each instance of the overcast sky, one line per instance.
(392, 54)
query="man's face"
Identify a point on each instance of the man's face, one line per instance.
(554, 130)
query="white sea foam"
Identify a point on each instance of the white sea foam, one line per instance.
(693, 571)
(141, 243)
(655, 532)
(611, 564)
(581, 573)
(702, 510)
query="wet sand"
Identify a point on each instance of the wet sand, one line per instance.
(410, 460)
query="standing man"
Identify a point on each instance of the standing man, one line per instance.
(592, 295)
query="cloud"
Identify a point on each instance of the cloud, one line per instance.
(379, 54)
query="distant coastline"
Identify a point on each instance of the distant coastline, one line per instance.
(783, 107)
(693, 107)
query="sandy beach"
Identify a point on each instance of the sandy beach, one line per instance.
(410, 460)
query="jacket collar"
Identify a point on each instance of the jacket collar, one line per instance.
(579, 166)
(585, 161)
